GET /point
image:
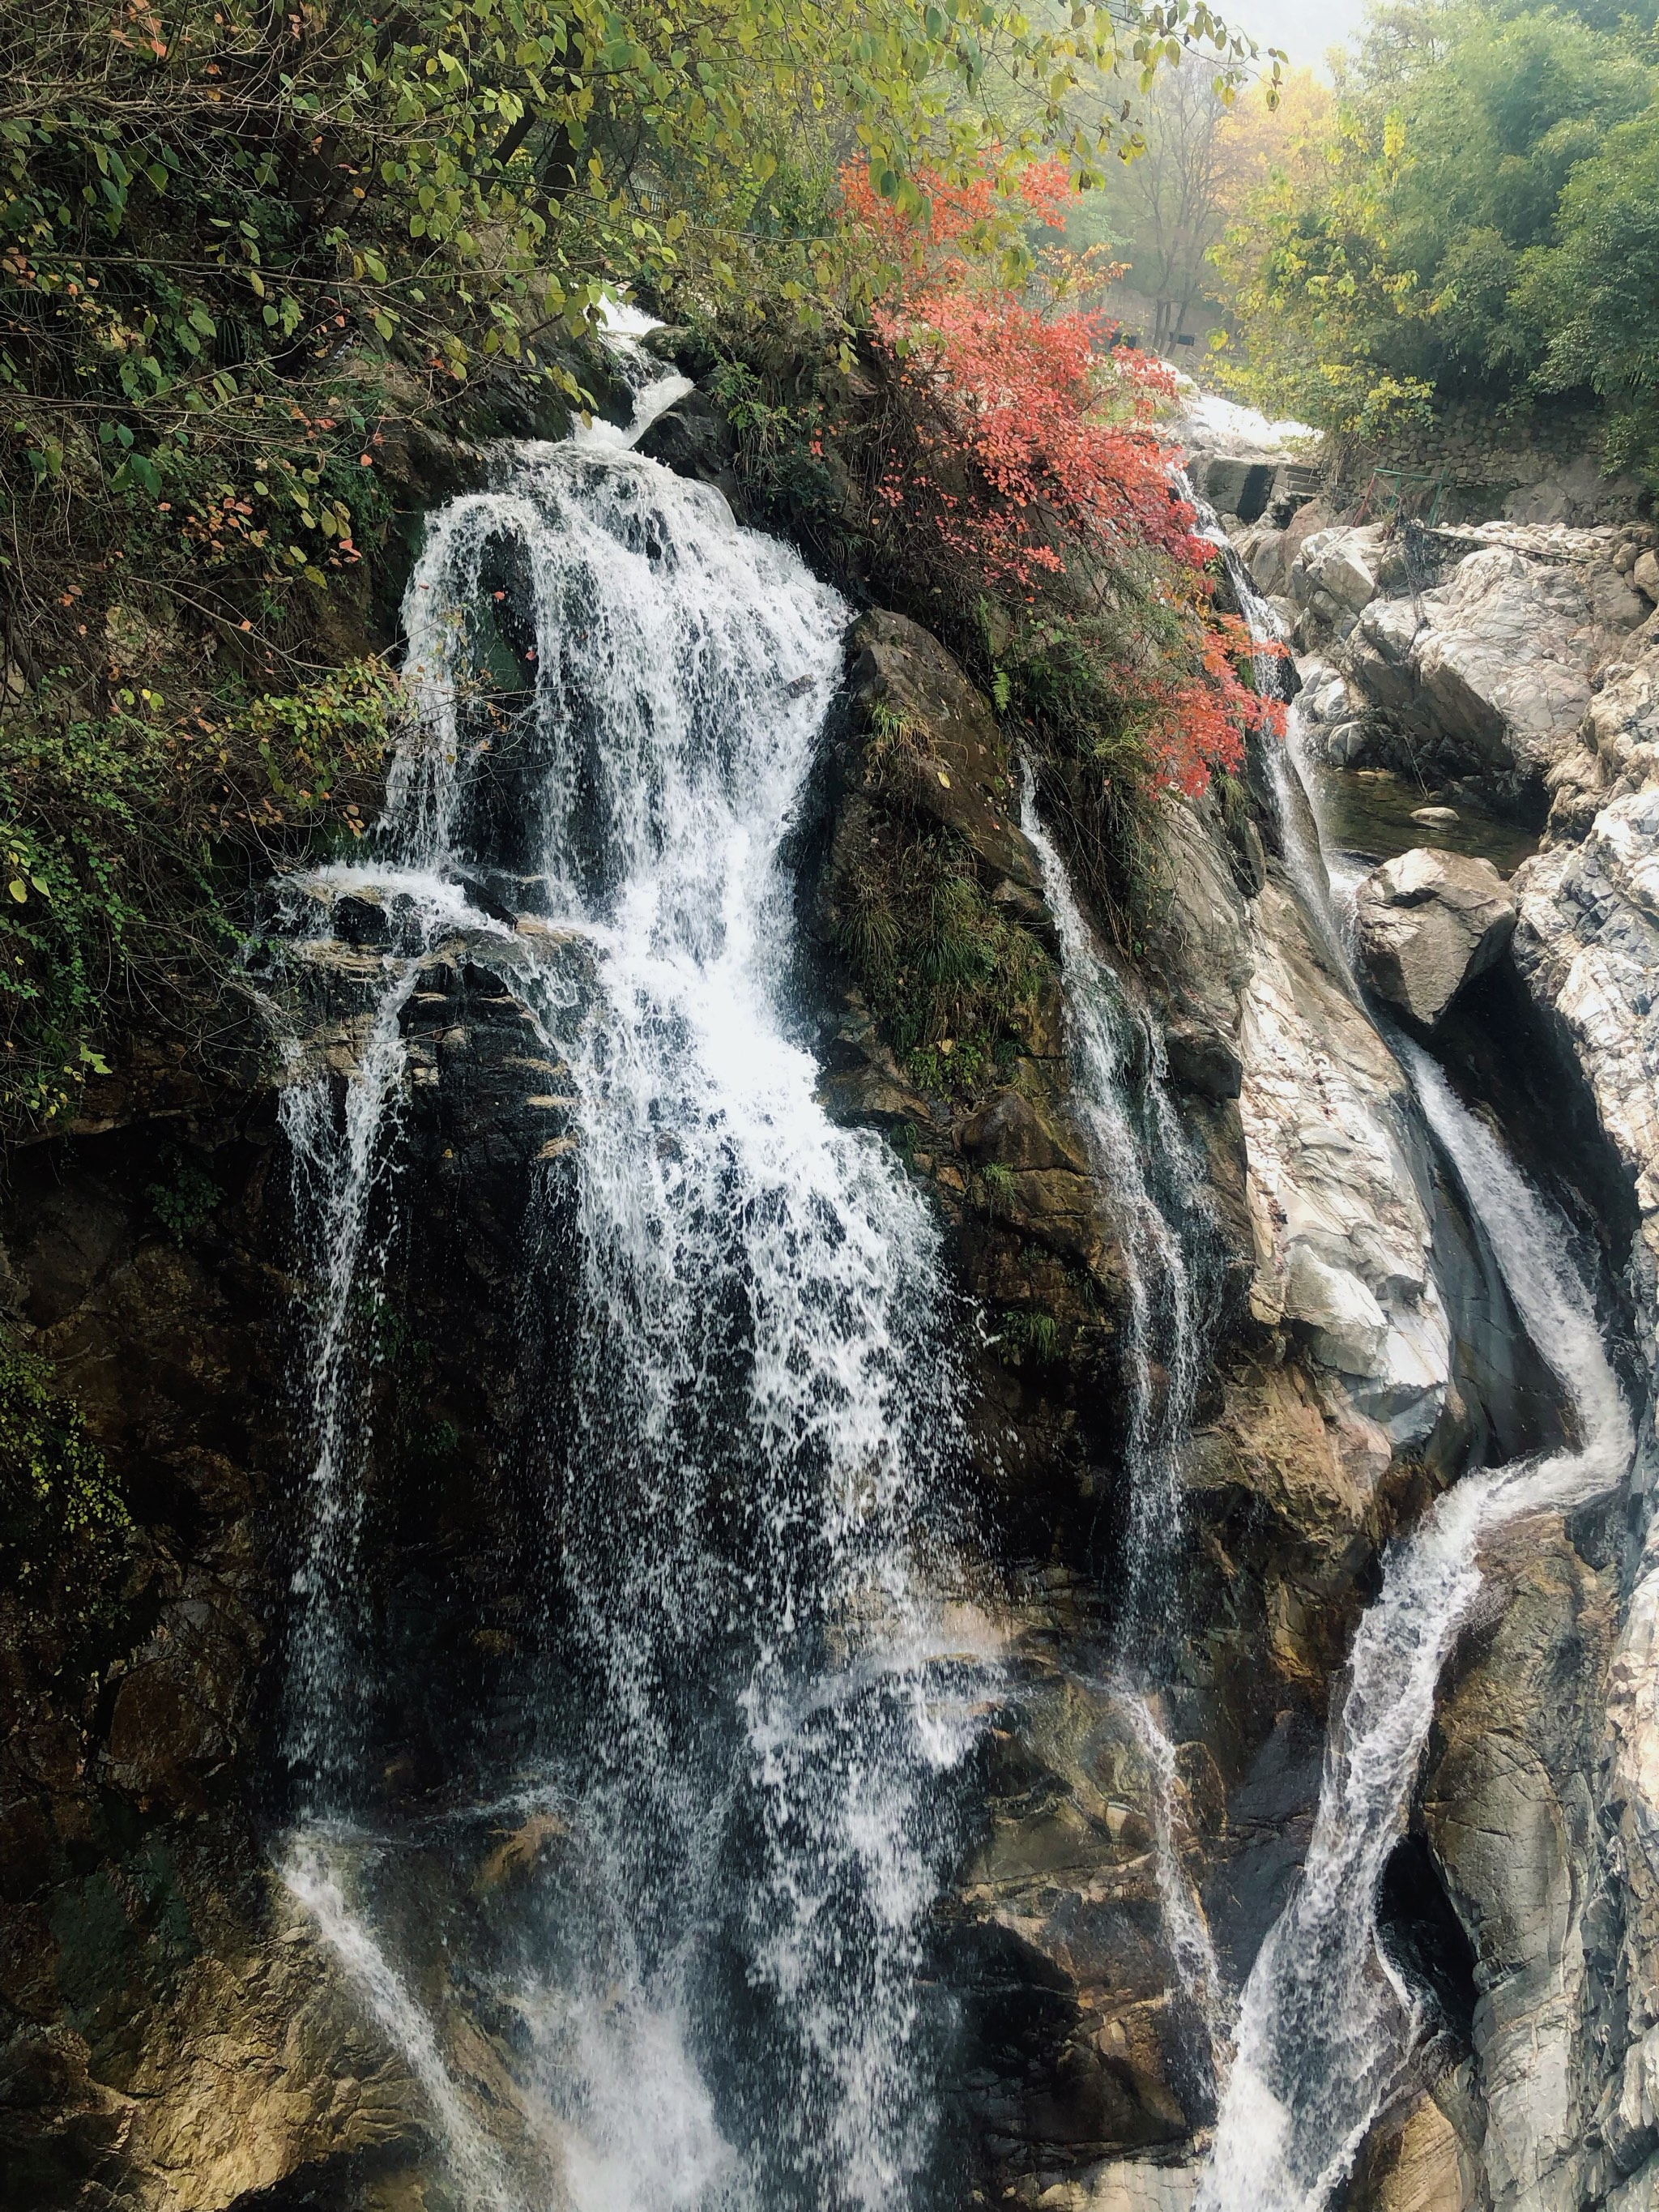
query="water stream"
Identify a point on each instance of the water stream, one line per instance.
(751, 1711)
(1145, 1164)
(1326, 2025)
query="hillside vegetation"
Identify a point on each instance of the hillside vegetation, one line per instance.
(259, 271)
(1475, 216)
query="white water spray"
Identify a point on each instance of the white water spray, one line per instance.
(750, 1720)
(1326, 2026)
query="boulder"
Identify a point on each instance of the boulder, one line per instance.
(1341, 564)
(1427, 922)
(694, 438)
(1645, 574)
(1235, 483)
(1504, 667)
(1074, 2019)
(1264, 555)
(1495, 667)
(1573, 491)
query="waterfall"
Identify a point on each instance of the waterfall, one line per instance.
(749, 1711)
(1306, 861)
(1325, 2022)
(1326, 2025)
(342, 1164)
(1146, 1167)
(1146, 1164)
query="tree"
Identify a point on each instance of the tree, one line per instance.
(1180, 176)
(1168, 202)
(1595, 294)
(1379, 273)
(243, 248)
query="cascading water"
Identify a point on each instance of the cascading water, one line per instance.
(748, 1718)
(1326, 2025)
(1306, 863)
(1146, 1164)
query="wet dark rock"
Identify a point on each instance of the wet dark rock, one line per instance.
(694, 438)
(917, 755)
(958, 773)
(1076, 2048)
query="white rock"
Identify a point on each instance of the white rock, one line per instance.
(1348, 579)
(1499, 658)
(1341, 1227)
(1350, 1329)
(1341, 564)
(1427, 923)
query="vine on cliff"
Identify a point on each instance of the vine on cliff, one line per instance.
(61, 1513)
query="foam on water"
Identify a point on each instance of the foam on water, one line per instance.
(1326, 2026)
(752, 1713)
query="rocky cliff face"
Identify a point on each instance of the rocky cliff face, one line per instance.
(180, 2039)
(1513, 667)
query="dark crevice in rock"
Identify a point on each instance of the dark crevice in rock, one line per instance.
(1424, 1940)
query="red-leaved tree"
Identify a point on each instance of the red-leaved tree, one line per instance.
(1025, 453)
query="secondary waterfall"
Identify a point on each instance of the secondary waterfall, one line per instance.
(1146, 1164)
(750, 1713)
(1326, 2024)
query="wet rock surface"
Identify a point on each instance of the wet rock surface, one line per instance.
(174, 2033)
(171, 2031)
(177, 2036)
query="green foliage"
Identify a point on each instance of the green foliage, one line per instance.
(1395, 263)
(126, 840)
(61, 1514)
(943, 967)
(1596, 293)
(1064, 684)
(185, 1203)
(439, 1442)
(1030, 1336)
(249, 257)
(196, 203)
(780, 444)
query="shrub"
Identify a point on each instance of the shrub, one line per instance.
(60, 1511)
(128, 843)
